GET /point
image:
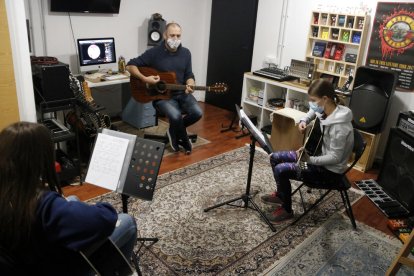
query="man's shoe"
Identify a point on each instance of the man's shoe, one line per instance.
(272, 199)
(279, 215)
(173, 141)
(186, 144)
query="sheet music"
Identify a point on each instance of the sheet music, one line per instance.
(252, 128)
(132, 138)
(107, 160)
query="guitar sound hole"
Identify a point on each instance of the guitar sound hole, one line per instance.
(161, 86)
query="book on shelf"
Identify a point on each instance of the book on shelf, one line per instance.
(319, 49)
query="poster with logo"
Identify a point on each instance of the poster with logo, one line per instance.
(392, 41)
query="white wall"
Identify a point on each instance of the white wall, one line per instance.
(294, 46)
(129, 28)
(21, 59)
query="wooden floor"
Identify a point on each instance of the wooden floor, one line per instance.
(209, 127)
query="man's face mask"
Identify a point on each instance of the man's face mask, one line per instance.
(173, 43)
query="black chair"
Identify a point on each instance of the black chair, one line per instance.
(9, 265)
(341, 186)
(104, 258)
(164, 138)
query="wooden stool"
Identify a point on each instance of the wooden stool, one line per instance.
(402, 257)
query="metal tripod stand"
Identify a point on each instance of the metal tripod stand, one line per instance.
(142, 241)
(247, 197)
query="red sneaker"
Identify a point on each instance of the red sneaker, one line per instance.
(272, 199)
(279, 215)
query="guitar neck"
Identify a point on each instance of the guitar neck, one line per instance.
(183, 87)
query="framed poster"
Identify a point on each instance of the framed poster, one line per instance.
(392, 41)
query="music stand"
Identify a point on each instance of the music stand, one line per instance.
(141, 179)
(256, 136)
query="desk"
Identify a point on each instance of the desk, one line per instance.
(115, 96)
(112, 94)
(106, 82)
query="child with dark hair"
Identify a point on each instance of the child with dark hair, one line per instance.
(40, 229)
(336, 148)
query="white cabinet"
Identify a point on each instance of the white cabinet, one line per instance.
(257, 91)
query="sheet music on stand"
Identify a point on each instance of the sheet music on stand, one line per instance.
(259, 136)
(125, 163)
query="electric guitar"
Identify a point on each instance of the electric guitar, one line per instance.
(143, 92)
(313, 141)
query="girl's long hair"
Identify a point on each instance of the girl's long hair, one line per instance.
(27, 163)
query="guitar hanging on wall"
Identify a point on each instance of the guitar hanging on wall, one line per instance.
(143, 92)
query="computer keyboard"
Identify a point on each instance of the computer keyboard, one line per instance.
(93, 76)
(115, 77)
(273, 73)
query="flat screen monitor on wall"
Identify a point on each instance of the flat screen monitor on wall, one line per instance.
(87, 6)
(96, 54)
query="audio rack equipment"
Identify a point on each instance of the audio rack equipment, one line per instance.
(406, 122)
(304, 70)
(273, 73)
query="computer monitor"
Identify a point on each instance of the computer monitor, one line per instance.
(96, 54)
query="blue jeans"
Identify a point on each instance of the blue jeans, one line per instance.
(124, 234)
(174, 108)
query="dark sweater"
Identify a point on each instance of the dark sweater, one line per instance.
(62, 229)
(162, 60)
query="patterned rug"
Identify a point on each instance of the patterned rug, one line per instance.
(160, 129)
(224, 241)
(336, 249)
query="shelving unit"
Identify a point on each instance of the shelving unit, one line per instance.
(344, 35)
(267, 88)
(61, 132)
(295, 96)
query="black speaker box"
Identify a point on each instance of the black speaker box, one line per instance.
(51, 82)
(156, 28)
(371, 97)
(396, 176)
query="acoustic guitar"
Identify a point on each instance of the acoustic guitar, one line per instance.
(313, 142)
(105, 258)
(143, 92)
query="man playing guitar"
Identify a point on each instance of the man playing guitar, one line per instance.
(172, 56)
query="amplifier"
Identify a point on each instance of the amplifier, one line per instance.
(51, 82)
(406, 122)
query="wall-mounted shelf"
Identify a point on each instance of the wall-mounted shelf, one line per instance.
(336, 43)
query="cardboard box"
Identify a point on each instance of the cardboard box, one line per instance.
(285, 134)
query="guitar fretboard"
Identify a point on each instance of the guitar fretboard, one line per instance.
(183, 87)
